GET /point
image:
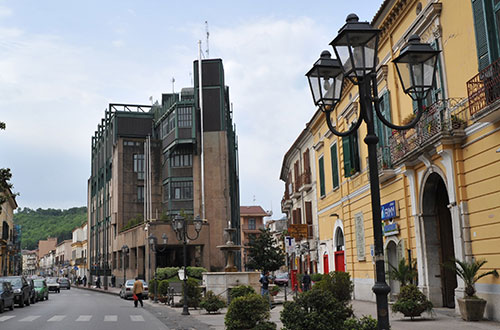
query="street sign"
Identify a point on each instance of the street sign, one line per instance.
(298, 231)
(289, 244)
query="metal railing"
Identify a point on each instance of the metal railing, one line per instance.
(384, 158)
(443, 119)
(484, 88)
(305, 178)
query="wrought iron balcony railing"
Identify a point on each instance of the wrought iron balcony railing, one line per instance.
(484, 88)
(443, 120)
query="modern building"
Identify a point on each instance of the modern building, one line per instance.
(151, 163)
(8, 247)
(30, 262)
(439, 182)
(299, 203)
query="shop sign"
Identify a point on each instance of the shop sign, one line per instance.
(389, 210)
(298, 231)
(391, 229)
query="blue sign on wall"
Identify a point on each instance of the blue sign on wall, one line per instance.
(389, 210)
(391, 229)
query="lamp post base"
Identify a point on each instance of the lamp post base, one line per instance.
(185, 311)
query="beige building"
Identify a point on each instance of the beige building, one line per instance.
(251, 221)
(30, 262)
(7, 241)
(79, 251)
(44, 246)
(63, 257)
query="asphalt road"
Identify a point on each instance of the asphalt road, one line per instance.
(78, 309)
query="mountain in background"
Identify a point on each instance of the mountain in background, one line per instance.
(42, 223)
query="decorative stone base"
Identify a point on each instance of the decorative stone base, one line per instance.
(472, 309)
(221, 282)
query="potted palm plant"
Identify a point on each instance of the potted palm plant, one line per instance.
(471, 306)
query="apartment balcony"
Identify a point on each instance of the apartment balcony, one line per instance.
(286, 202)
(484, 94)
(385, 168)
(442, 122)
(254, 230)
(305, 181)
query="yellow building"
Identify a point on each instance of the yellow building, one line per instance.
(7, 246)
(440, 182)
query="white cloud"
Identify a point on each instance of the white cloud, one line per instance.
(118, 43)
(5, 11)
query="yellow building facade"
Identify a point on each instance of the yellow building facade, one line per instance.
(439, 182)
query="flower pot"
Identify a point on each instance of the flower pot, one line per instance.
(472, 309)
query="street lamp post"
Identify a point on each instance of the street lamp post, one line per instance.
(125, 251)
(180, 227)
(153, 241)
(356, 47)
(10, 247)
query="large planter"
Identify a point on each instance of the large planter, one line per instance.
(472, 309)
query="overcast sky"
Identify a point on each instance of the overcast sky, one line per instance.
(62, 63)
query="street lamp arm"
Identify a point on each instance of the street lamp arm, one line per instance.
(192, 238)
(388, 123)
(343, 134)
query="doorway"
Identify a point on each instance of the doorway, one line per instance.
(393, 260)
(339, 256)
(438, 237)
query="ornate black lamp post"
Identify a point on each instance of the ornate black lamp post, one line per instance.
(180, 227)
(356, 47)
(125, 251)
(153, 242)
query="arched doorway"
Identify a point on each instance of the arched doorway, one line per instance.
(326, 266)
(393, 260)
(438, 237)
(339, 250)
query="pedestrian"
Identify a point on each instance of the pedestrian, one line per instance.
(137, 290)
(98, 282)
(264, 289)
(79, 280)
(306, 281)
(84, 280)
(113, 280)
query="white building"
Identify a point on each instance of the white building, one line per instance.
(79, 251)
(30, 262)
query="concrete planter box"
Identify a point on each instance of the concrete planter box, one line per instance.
(472, 309)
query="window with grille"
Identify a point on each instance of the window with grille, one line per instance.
(181, 158)
(140, 193)
(184, 117)
(139, 166)
(181, 190)
(251, 223)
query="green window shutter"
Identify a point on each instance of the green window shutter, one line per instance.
(321, 177)
(335, 166)
(483, 55)
(355, 152)
(347, 155)
(386, 131)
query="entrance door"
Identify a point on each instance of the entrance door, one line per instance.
(326, 268)
(392, 259)
(339, 261)
(439, 241)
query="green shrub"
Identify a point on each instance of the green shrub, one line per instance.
(193, 292)
(163, 287)
(365, 323)
(265, 325)
(212, 302)
(241, 290)
(411, 302)
(316, 277)
(338, 283)
(315, 309)
(152, 286)
(246, 312)
(166, 273)
(195, 272)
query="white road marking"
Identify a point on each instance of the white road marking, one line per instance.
(83, 318)
(29, 318)
(110, 318)
(136, 318)
(56, 318)
(5, 318)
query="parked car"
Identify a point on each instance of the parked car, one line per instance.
(21, 287)
(64, 283)
(6, 296)
(281, 279)
(32, 291)
(42, 291)
(52, 284)
(126, 290)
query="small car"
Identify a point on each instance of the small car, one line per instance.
(52, 285)
(126, 290)
(42, 291)
(6, 296)
(64, 283)
(21, 287)
(281, 279)
(33, 299)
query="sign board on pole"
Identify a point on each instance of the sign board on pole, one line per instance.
(289, 244)
(298, 231)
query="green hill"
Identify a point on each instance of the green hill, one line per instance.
(42, 223)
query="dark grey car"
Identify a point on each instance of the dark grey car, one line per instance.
(63, 283)
(21, 287)
(6, 296)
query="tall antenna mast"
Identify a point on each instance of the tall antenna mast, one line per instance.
(173, 82)
(208, 35)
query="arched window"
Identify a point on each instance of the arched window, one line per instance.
(339, 239)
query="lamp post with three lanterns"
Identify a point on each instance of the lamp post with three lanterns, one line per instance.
(356, 47)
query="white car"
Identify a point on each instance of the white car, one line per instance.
(52, 284)
(126, 290)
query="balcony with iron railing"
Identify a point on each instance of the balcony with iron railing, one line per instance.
(385, 168)
(484, 93)
(286, 201)
(443, 121)
(305, 181)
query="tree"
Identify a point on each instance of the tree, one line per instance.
(264, 253)
(5, 176)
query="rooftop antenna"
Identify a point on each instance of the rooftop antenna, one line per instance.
(191, 78)
(208, 35)
(173, 82)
